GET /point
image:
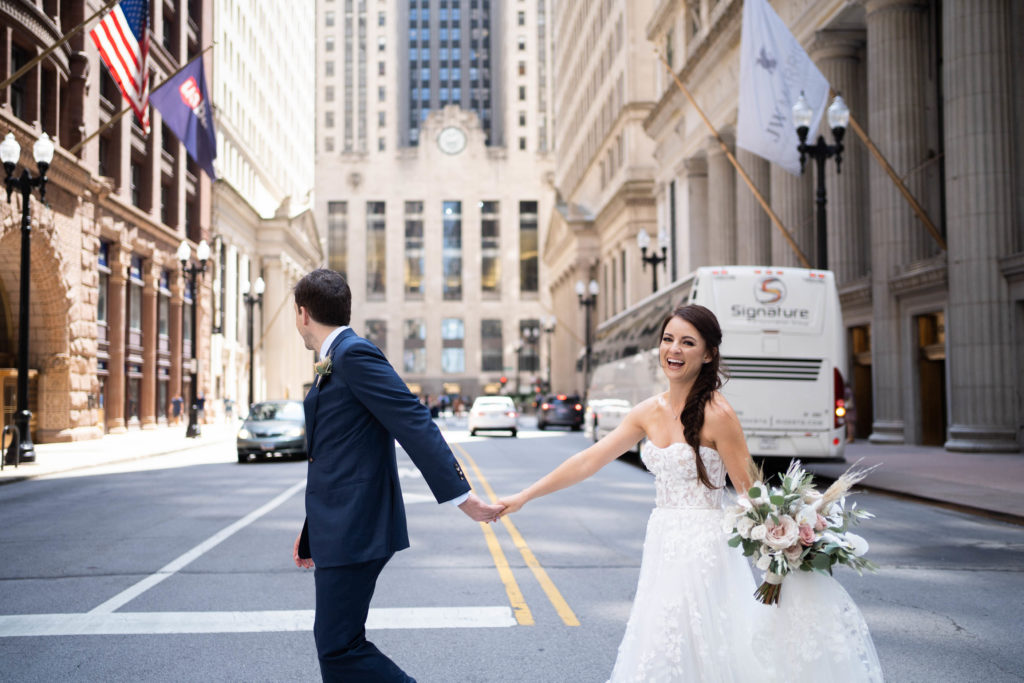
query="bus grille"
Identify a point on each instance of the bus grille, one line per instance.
(794, 369)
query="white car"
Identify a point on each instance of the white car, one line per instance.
(493, 413)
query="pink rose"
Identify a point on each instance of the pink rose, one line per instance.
(806, 535)
(782, 535)
(821, 524)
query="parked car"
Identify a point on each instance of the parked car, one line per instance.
(491, 413)
(561, 410)
(273, 428)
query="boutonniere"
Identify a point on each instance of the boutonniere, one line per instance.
(322, 369)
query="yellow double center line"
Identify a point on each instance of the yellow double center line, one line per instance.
(515, 596)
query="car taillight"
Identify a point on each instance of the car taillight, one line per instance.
(480, 413)
(545, 406)
(511, 413)
(578, 407)
(840, 398)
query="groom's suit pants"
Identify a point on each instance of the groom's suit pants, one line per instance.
(342, 602)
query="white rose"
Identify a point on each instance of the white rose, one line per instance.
(782, 535)
(764, 562)
(744, 525)
(758, 533)
(807, 515)
(857, 543)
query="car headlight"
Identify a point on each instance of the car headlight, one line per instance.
(295, 431)
(244, 433)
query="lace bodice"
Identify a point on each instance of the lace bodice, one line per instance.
(675, 473)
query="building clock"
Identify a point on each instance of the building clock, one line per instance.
(451, 140)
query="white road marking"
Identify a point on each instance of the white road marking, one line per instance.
(149, 623)
(174, 566)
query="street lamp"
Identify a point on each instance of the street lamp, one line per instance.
(549, 330)
(530, 336)
(192, 272)
(587, 296)
(250, 302)
(838, 118)
(10, 153)
(643, 240)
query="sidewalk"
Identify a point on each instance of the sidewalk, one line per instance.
(990, 483)
(52, 458)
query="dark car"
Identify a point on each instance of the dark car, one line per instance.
(560, 410)
(273, 428)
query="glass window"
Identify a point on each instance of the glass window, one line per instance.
(490, 248)
(337, 237)
(490, 346)
(414, 347)
(377, 332)
(135, 295)
(413, 250)
(163, 315)
(528, 242)
(329, 44)
(451, 250)
(329, 18)
(453, 356)
(329, 67)
(376, 250)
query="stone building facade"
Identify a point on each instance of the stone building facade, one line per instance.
(935, 334)
(434, 184)
(109, 326)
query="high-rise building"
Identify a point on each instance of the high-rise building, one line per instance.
(434, 182)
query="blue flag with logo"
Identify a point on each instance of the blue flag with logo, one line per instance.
(185, 107)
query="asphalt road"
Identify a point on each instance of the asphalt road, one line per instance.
(178, 568)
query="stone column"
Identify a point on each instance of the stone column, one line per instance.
(120, 260)
(897, 69)
(792, 198)
(697, 216)
(175, 329)
(753, 226)
(721, 203)
(151, 287)
(980, 191)
(837, 55)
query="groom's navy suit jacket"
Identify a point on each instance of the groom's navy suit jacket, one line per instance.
(354, 509)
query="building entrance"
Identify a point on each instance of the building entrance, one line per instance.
(860, 380)
(931, 373)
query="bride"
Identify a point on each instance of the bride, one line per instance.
(694, 617)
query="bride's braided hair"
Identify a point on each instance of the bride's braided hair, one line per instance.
(708, 381)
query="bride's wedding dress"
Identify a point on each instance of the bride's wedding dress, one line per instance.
(694, 617)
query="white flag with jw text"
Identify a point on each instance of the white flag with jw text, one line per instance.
(774, 70)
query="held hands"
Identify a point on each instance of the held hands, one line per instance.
(480, 511)
(512, 503)
(301, 563)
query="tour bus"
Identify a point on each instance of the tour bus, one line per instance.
(783, 351)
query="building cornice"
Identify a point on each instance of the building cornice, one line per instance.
(1012, 266)
(855, 293)
(30, 20)
(920, 276)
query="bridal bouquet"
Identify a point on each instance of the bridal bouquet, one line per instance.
(793, 527)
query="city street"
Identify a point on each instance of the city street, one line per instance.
(178, 568)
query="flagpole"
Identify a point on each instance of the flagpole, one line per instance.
(45, 53)
(117, 117)
(898, 182)
(739, 169)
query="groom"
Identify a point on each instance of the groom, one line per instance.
(355, 518)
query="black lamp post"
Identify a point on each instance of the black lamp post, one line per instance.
(251, 301)
(838, 118)
(549, 331)
(587, 295)
(192, 272)
(643, 240)
(10, 153)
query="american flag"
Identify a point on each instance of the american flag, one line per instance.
(122, 38)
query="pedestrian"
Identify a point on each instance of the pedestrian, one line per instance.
(176, 409)
(851, 415)
(355, 519)
(229, 409)
(201, 409)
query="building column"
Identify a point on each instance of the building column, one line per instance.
(150, 341)
(696, 169)
(753, 226)
(980, 191)
(897, 54)
(838, 56)
(792, 198)
(120, 261)
(175, 329)
(721, 203)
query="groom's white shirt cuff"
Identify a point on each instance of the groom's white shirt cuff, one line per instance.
(325, 347)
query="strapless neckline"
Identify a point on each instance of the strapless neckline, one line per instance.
(677, 443)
